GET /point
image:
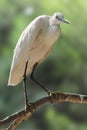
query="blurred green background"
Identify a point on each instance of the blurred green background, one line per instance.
(64, 70)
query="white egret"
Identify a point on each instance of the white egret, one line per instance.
(33, 47)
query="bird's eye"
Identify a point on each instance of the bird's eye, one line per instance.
(57, 17)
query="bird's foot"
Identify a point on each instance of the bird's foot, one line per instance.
(30, 106)
(27, 106)
(51, 94)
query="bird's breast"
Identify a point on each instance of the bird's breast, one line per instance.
(43, 44)
(54, 30)
(53, 33)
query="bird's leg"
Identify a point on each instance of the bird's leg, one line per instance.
(24, 84)
(35, 81)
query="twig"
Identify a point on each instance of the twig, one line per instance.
(22, 115)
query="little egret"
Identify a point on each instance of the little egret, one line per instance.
(33, 47)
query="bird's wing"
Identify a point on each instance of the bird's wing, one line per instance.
(28, 37)
(21, 50)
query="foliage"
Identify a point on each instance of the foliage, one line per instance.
(58, 121)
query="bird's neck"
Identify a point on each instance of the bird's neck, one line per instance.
(53, 23)
(53, 26)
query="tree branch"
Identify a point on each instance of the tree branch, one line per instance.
(16, 118)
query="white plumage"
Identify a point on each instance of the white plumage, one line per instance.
(34, 45)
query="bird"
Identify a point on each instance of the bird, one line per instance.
(33, 47)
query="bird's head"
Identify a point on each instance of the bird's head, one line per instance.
(58, 18)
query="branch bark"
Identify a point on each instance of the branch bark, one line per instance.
(18, 117)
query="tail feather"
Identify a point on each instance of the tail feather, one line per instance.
(14, 80)
(16, 75)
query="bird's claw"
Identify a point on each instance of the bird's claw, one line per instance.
(50, 94)
(30, 106)
(27, 106)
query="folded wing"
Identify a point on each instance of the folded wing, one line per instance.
(21, 51)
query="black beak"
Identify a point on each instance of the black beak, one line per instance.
(65, 21)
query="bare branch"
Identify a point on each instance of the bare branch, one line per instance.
(22, 115)
(16, 122)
